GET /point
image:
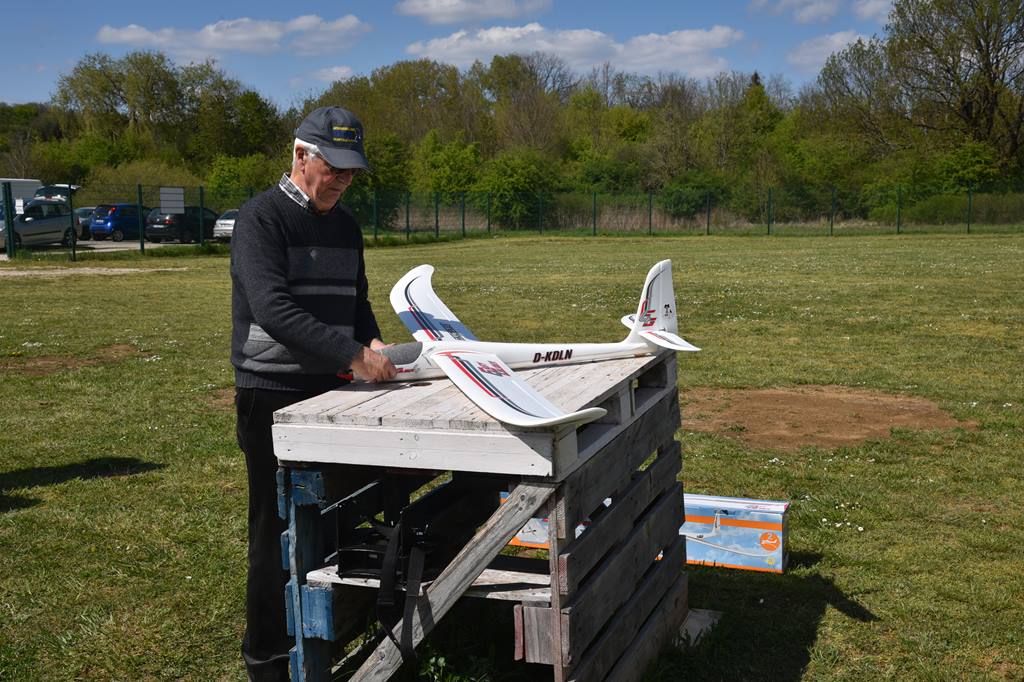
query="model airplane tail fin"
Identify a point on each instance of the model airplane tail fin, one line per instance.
(655, 320)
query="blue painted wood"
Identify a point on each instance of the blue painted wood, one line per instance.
(307, 488)
(289, 611)
(318, 612)
(282, 494)
(305, 495)
(285, 564)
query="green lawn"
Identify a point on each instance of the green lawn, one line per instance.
(122, 493)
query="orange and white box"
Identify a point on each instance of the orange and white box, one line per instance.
(735, 532)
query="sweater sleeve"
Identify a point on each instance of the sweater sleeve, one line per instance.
(260, 265)
(366, 323)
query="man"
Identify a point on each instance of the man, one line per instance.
(300, 317)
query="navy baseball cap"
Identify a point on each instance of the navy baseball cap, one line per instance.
(338, 134)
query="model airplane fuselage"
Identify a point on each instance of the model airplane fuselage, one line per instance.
(484, 370)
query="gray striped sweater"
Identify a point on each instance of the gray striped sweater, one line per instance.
(299, 307)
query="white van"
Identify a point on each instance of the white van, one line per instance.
(21, 188)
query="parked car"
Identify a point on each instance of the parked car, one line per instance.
(43, 222)
(117, 221)
(225, 225)
(181, 226)
(83, 216)
(59, 192)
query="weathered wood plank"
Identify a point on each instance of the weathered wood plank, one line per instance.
(459, 575)
(602, 654)
(310, 411)
(657, 632)
(534, 634)
(607, 472)
(615, 523)
(622, 641)
(501, 453)
(504, 585)
(602, 594)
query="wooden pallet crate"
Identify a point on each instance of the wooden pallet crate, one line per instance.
(571, 612)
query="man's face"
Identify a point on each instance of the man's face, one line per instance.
(323, 183)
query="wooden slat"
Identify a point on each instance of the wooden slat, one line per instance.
(403, 397)
(501, 453)
(614, 524)
(534, 634)
(627, 636)
(459, 575)
(505, 585)
(310, 411)
(657, 632)
(602, 594)
(610, 470)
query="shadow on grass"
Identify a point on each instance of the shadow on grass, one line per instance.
(36, 477)
(769, 623)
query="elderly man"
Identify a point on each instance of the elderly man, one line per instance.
(300, 317)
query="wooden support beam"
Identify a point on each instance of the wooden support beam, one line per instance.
(442, 594)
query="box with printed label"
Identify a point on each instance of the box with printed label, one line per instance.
(735, 532)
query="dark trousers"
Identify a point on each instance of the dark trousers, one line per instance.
(266, 642)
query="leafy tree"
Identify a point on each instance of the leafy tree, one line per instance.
(688, 194)
(513, 181)
(448, 168)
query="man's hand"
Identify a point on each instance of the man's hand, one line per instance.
(371, 366)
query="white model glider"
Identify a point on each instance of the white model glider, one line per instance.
(484, 370)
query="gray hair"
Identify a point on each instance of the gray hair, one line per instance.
(310, 148)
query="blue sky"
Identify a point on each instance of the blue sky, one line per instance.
(289, 51)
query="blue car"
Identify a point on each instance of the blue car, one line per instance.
(117, 221)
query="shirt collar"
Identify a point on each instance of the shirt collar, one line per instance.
(293, 191)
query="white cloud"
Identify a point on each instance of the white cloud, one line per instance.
(459, 11)
(689, 51)
(877, 10)
(810, 55)
(804, 11)
(306, 35)
(332, 73)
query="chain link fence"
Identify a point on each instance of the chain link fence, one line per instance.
(120, 215)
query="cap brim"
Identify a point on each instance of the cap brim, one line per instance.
(344, 158)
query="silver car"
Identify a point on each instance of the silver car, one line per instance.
(43, 222)
(225, 225)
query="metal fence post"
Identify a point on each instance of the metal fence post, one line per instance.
(142, 219)
(593, 215)
(462, 199)
(375, 216)
(832, 213)
(769, 210)
(8, 195)
(899, 206)
(437, 214)
(970, 207)
(202, 216)
(707, 223)
(650, 212)
(74, 227)
(407, 231)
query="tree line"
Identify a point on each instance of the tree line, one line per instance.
(932, 107)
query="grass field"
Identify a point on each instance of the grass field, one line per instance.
(122, 493)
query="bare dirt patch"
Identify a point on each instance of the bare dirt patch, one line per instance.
(48, 364)
(222, 399)
(66, 272)
(822, 416)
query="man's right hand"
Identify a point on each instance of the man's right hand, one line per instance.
(371, 366)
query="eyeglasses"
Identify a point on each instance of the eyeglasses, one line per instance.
(336, 171)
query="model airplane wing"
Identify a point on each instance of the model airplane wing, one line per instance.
(496, 390)
(422, 312)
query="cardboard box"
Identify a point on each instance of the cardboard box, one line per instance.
(735, 532)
